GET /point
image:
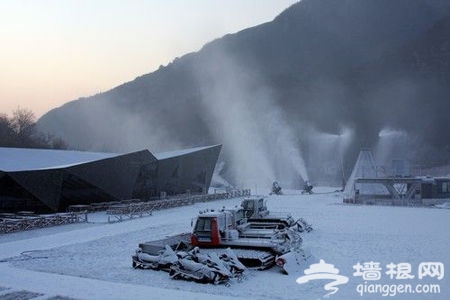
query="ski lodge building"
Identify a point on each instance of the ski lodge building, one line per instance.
(51, 180)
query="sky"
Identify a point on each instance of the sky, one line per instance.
(55, 51)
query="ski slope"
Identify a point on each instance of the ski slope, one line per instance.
(93, 260)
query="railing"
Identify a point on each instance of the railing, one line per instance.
(117, 212)
(19, 222)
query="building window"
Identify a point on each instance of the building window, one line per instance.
(445, 187)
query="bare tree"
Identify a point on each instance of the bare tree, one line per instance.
(59, 143)
(7, 134)
(23, 123)
(20, 131)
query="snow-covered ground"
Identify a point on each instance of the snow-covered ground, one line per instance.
(93, 261)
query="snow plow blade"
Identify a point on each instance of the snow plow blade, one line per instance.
(176, 242)
(162, 261)
(251, 259)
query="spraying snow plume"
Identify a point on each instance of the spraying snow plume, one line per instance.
(345, 139)
(240, 111)
(388, 132)
(286, 146)
(326, 154)
(392, 144)
(110, 126)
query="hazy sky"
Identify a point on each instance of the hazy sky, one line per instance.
(54, 51)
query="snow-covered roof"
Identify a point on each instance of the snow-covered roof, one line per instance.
(21, 159)
(170, 154)
(432, 178)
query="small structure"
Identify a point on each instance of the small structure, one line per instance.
(369, 185)
(406, 191)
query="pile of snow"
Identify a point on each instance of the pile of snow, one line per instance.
(443, 205)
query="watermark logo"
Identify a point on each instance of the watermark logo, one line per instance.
(432, 269)
(409, 277)
(323, 270)
(404, 272)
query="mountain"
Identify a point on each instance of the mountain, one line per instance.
(268, 92)
(413, 84)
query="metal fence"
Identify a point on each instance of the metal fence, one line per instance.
(118, 212)
(19, 222)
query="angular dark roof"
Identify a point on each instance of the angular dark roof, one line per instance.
(38, 179)
(26, 159)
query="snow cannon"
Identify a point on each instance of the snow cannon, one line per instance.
(307, 188)
(276, 189)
